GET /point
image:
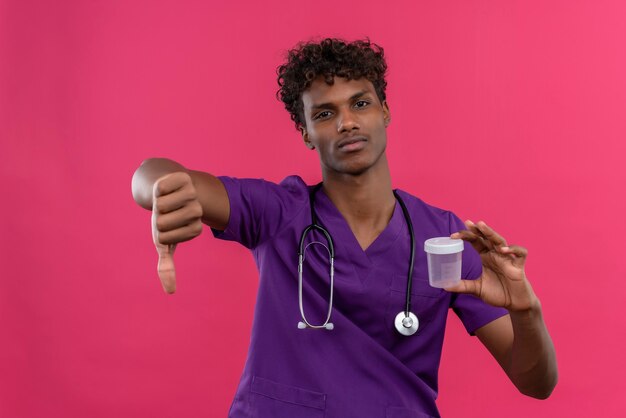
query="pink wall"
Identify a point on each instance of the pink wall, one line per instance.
(512, 112)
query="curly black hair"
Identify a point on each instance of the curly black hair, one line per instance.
(328, 58)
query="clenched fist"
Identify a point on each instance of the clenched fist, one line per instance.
(176, 217)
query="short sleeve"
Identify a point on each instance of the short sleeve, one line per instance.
(473, 312)
(259, 208)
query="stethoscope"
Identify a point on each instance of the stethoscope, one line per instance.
(405, 322)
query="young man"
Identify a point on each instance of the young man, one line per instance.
(358, 364)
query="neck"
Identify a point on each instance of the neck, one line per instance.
(366, 201)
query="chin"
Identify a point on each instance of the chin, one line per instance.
(356, 166)
(354, 169)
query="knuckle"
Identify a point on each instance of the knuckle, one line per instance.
(164, 239)
(170, 182)
(159, 204)
(160, 224)
(197, 209)
(171, 238)
(190, 195)
(159, 187)
(184, 179)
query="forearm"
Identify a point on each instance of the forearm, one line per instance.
(147, 174)
(532, 363)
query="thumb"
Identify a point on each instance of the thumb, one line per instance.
(472, 287)
(166, 268)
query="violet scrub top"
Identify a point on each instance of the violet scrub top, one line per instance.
(363, 367)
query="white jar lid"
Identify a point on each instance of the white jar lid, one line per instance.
(443, 245)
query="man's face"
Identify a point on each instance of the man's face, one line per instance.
(346, 123)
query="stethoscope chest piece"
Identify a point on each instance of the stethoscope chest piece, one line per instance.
(406, 325)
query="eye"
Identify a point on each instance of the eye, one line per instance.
(321, 115)
(362, 103)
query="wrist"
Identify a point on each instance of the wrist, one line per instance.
(531, 311)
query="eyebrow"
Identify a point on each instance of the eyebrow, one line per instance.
(331, 105)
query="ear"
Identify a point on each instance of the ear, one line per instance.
(305, 138)
(386, 113)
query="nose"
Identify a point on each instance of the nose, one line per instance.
(347, 122)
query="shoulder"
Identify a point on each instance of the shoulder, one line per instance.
(292, 186)
(428, 213)
(291, 189)
(259, 208)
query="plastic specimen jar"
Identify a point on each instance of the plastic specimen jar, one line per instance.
(444, 261)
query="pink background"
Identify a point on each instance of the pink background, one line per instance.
(512, 112)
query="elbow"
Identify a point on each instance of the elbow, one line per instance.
(538, 394)
(541, 391)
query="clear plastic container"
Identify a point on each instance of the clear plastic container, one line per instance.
(444, 261)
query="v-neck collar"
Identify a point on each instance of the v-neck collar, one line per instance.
(339, 229)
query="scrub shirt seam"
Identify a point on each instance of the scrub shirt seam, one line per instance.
(229, 229)
(479, 324)
(271, 238)
(264, 208)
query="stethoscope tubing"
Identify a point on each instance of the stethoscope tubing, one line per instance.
(405, 322)
(409, 282)
(331, 253)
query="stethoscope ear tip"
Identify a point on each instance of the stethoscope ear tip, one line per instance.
(329, 326)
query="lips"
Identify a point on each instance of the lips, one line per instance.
(350, 141)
